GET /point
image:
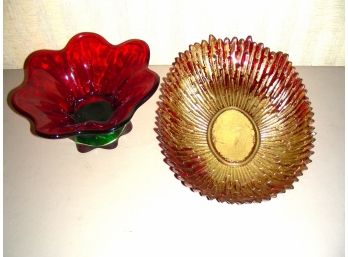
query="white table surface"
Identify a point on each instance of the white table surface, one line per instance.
(126, 202)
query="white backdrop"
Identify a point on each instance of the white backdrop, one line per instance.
(310, 31)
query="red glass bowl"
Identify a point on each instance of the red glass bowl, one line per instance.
(88, 91)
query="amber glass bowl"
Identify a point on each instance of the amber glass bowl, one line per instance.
(234, 121)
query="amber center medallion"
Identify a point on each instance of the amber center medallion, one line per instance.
(233, 136)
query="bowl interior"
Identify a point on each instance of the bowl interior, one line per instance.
(90, 86)
(234, 121)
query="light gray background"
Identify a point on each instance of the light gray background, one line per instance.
(126, 202)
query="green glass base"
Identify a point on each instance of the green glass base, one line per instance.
(98, 139)
(86, 143)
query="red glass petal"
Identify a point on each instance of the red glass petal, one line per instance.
(56, 83)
